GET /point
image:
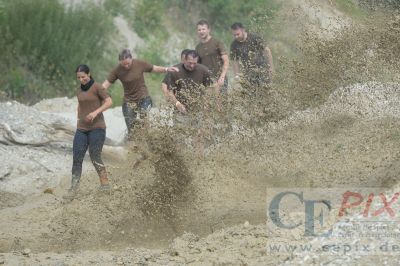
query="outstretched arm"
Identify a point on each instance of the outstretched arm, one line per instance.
(106, 84)
(160, 69)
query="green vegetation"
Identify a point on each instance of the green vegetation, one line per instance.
(156, 19)
(40, 53)
(350, 7)
(119, 7)
(43, 42)
(222, 14)
(149, 17)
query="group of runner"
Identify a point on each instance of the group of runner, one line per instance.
(206, 65)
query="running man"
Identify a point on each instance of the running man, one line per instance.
(251, 56)
(185, 86)
(212, 54)
(130, 72)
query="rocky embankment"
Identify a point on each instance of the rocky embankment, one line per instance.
(36, 143)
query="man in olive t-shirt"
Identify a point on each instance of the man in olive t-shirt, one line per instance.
(185, 87)
(136, 96)
(250, 56)
(212, 54)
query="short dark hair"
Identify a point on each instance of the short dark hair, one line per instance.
(237, 25)
(192, 53)
(203, 22)
(184, 52)
(126, 53)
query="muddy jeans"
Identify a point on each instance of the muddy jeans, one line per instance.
(131, 111)
(94, 140)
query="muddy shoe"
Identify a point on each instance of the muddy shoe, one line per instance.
(104, 182)
(71, 193)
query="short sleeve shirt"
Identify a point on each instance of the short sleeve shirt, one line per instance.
(187, 85)
(210, 54)
(249, 53)
(132, 80)
(89, 101)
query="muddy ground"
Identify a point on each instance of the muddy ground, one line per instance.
(179, 206)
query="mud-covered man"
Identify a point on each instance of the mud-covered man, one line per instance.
(185, 87)
(250, 57)
(212, 54)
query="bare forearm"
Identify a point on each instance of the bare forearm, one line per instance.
(106, 84)
(161, 69)
(225, 65)
(171, 97)
(168, 94)
(268, 55)
(107, 103)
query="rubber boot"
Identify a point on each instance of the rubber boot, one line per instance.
(71, 193)
(104, 183)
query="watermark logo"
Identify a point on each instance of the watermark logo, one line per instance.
(309, 211)
(333, 220)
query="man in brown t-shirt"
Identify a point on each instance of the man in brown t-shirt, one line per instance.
(131, 74)
(250, 56)
(185, 87)
(212, 54)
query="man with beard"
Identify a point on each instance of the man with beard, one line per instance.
(185, 87)
(251, 57)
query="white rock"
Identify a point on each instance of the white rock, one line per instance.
(26, 252)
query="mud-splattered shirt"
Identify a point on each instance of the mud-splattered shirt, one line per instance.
(187, 85)
(249, 53)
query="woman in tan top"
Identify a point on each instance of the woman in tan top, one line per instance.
(91, 129)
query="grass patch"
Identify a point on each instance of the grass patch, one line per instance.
(350, 8)
(42, 44)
